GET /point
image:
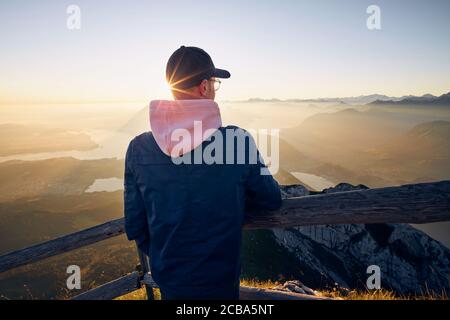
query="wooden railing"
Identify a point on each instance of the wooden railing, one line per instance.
(416, 203)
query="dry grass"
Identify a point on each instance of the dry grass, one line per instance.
(140, 294)
(259, 284)
(381, 294)
(341, 294)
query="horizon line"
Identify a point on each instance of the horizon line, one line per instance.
(250, 99)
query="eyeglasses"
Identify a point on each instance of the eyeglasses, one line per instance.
(217, 84)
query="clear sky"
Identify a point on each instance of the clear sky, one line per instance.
(274, 49)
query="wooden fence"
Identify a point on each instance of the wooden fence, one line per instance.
(415, 203)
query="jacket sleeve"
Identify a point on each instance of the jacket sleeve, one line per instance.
(136, 225)
(262, 191)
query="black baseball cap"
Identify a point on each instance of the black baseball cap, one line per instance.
(189, 66)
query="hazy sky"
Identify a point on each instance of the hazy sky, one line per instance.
(283, 49)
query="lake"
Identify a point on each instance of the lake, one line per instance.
(106, 185)
(315, 182)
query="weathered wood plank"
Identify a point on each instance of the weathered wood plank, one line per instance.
(145, 266)
(113, 289)
(61, 245)
(416, 203)
(148, 280)
(419, 203)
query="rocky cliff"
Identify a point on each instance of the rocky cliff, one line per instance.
(322, 256)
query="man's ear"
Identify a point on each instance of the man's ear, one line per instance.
(203, 88)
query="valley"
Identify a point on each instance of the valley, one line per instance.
(49, 189)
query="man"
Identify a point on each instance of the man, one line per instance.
(188, 215)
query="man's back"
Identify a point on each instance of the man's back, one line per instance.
(189, 182)
(193, 214)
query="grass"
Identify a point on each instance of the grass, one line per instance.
(259, 284)
(381, 294)
(341, 294)
(140, 294)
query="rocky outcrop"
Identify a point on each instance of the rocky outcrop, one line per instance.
(295, 286)
(410, 261)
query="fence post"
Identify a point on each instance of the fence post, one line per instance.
(145, 267)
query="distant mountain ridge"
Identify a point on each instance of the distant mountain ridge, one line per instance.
(364, 99)
(428, 99)
(359, 100)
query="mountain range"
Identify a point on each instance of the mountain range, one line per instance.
(359, 100)
(425, 100)
(372, 99)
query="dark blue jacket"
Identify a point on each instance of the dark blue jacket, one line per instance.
(188, 217)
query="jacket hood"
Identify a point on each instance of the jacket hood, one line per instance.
(180, 126)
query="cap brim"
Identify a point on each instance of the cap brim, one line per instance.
(222, 74)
